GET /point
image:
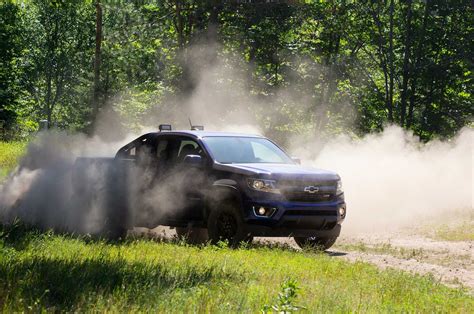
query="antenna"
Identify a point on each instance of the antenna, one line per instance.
(195, 127)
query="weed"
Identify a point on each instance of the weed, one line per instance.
(286, 299)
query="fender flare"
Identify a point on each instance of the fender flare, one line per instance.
(222, 190)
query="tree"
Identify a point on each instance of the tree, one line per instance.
(97, 58)
(10, 48)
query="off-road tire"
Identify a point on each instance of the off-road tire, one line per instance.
(114, 233)
(315, 242)
(192, 235)
(224, 223)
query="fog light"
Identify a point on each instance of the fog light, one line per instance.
(342, 211)
(262, 211)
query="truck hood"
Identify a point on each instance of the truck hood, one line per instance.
(279, 171)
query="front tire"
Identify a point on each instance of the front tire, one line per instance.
(317, 243)
(225, 224)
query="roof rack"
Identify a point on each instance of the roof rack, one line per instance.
(164, 127)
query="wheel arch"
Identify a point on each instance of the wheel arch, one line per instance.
(224, 190)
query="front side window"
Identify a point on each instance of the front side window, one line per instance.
(180, 147)
(227, 149)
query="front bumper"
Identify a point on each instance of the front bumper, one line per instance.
(295, 219)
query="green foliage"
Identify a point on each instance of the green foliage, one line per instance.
(48, 272)
(10, 152)
(10, 47)
(325, 67)
(286, 299)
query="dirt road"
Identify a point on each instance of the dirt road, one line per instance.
(450, 262)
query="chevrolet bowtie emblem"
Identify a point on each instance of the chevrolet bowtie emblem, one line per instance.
(311, 189)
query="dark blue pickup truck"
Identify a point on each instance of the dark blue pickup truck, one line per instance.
(220, 186)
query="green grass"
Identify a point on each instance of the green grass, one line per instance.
(461, 231)
(44, 271)
(459, 226)
(9, 154)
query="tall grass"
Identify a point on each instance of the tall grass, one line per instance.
(43, 271)
(10, 152)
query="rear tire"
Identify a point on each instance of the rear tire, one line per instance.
(225, 224)
(115, 233)
(192, 235)
(317, 243)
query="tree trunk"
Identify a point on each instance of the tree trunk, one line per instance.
(97, 59)
(179, 24)
(415, 72)
(212, 29)
(47, 105)
(406, 58)
(383, 60)
(391, 69)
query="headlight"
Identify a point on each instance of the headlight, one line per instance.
(339, 187)
(263, 185)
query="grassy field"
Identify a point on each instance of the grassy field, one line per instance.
(44, 271)
(463, 231)
(9, 154)
(459, 226)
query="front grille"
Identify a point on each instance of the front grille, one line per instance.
(294, 191)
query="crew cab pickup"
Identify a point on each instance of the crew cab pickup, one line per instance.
(218, 186)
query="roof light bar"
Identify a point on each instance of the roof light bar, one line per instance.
(164, 127)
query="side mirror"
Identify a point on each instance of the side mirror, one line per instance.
(193, 160)
(296, 160)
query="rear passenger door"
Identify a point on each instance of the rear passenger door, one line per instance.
(186, 181)
(146, 161)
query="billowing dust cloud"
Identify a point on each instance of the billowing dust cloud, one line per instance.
(40, 191)
(392, 180)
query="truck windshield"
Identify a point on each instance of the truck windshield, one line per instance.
(227, 149)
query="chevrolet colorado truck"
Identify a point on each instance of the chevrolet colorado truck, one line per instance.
(213, 186)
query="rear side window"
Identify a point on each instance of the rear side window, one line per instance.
(141, 148)
(128, 152)
(162, 150)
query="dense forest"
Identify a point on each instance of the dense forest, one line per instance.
(314, 67)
